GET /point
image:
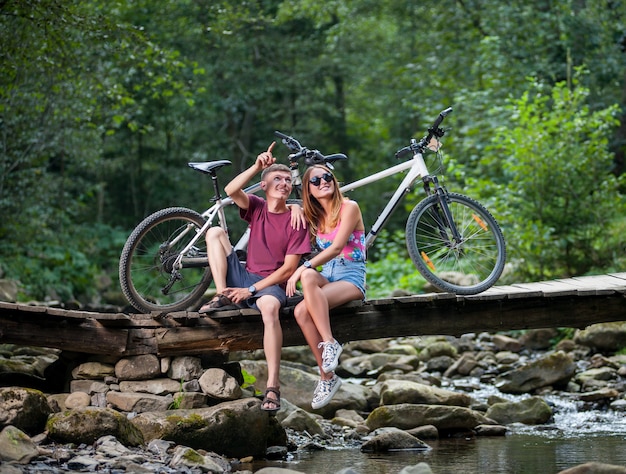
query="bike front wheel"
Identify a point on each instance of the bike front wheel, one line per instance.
(147, 275)
(466, 265)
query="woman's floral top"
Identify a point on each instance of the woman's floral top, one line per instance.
(354, 249)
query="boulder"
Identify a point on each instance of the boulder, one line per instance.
(88, 424)
(407, 416)
(16, 446)
(393, 392)
(553, 369)
(604, 337)
(531, 411)
(393, 440)
(238, 428)
(24, 408)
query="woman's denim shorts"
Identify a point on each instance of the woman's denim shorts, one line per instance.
(340, 269)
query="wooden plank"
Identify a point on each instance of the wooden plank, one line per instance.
(621, 276)
(425, 298)
(550, 288)
(585, 288)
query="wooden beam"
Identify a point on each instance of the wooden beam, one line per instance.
(567, 303)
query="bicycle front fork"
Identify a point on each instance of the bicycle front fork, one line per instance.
(445, 221)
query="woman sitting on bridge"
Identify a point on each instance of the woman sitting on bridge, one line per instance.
(337, 226)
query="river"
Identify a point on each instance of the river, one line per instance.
(575, 436)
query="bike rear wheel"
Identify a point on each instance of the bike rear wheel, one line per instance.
(465, 267)
(147, 276)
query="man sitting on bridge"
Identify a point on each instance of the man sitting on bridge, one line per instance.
(274, 252)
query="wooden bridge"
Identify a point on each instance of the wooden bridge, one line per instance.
(575, 302)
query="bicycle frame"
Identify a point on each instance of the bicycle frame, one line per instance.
(216, 210)
(417, 169)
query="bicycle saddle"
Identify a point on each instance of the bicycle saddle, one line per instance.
(208, 167)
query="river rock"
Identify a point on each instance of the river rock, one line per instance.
(553, 369)
(363, 365)
(160, 386)
(15, 445)
(300, 420)
(604, 337)
(531, 411)
(77, 400)
(141, 367)
(462, 366)
(185, 368)
(24, 408)
(588, 377)
(401, 349)
(424, 432)
(88, 424)
(407, 416)
(192, 459)
(490, 430)
(538, 339)
(217, 384)
(393, 392)
(138, 402)
(93, 370)
(26, 360)
(599, 395)
(393, 440)
(437, 348)
(506, 343)
(237, 428)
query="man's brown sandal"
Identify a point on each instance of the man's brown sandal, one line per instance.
(219, 301)
(271, 401)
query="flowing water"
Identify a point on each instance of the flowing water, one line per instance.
(575, 436)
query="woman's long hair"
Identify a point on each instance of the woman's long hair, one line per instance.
(313, 210)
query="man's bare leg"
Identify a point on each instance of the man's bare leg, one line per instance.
(218, 248)
(272, 343)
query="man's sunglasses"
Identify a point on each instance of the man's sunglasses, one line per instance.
(318, 179)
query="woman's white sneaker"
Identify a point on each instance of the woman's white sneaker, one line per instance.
(330, 355)
(325, 391)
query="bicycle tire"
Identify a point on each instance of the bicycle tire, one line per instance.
(145, 264)
(466, 268)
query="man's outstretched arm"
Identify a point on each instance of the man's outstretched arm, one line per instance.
(235, 188)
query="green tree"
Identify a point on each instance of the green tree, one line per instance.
(558, 197)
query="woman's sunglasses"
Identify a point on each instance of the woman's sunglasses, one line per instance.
(318, 179)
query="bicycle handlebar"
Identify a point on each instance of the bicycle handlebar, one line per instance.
(433, 130)
(311, 157)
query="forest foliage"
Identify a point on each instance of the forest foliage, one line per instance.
(102, 104)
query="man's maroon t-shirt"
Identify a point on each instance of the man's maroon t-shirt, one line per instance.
(271, 238)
